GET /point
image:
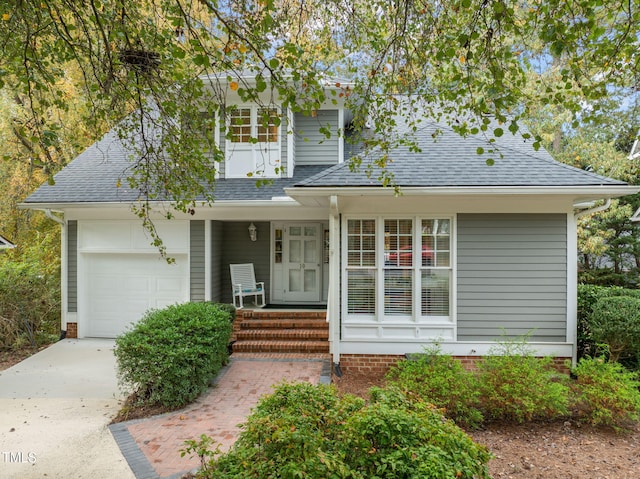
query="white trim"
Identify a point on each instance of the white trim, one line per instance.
(64, 276)
(584, 193)
(207, 260)
(378, 326)
(466, 348)
(341, 135)
(572, 285)
(333, 299)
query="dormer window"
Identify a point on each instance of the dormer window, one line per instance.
(253, 146)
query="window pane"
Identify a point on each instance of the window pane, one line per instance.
(397, 291)
(361, 297)
(241, 125)
(361, 243)
(435, 293)
(398, 242)
(443, 259)
(268, 125)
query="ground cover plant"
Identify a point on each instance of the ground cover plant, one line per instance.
(168, 357)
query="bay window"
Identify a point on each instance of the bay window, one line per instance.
(398, 269)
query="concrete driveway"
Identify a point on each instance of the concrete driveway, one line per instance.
(54, 410)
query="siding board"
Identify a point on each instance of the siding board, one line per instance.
(216, 261)
(311, 146)
(72, 266)
(511, 276)
(238, 248)
(196, 261)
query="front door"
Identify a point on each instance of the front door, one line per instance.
(302, 262)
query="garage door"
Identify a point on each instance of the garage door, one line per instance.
(120, 288)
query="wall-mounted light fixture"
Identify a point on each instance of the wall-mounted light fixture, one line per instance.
(253, 232)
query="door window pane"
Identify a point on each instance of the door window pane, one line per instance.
(310, 251)
(295, 255)
(241, 125)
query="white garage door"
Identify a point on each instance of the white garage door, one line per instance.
(120, 288)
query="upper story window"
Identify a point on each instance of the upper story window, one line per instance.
(251, 124)
(253, 142)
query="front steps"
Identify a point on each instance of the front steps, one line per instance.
(258, 332)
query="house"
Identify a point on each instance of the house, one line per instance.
(466, 254)
(5, 243)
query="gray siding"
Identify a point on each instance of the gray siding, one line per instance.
(216, 260)
(238, 248)
(312, 146)
(512, 276)
(72, 266)
(284, 145)
(196, 261)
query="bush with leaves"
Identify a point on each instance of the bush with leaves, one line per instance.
(442, 380)
(517, 386)
(29, 305)
(169, 357)
(605, 393)
(588, 296)
(615, 321)
(302, 430)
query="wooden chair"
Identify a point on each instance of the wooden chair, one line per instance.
(243, 282)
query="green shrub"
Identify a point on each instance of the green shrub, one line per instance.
(303, 430)
(588, 296)
(605, 393)
(394, 437)
(615, 321)
(29, 305)
(514, 385)
(443, 381)
(169, 357)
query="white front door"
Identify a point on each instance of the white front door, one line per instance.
(302, 262)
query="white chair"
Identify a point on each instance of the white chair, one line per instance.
(243, 282)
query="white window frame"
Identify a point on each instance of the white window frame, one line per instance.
(255, 163)
(416, 316)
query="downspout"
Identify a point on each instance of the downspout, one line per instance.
(595, 209)
(63, 270)
(572, 312)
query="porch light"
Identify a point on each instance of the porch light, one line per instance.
(253, 232)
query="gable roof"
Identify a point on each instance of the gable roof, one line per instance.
(94, 176)
(446, 160)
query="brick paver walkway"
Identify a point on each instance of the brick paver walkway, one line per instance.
(152, 446)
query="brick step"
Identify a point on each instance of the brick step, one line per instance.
(296, 334)
(263, 314)
(258, 346)
(283, 323)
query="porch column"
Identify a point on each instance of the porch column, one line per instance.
(333, 295)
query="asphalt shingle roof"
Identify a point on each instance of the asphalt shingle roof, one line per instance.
(445, 160)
